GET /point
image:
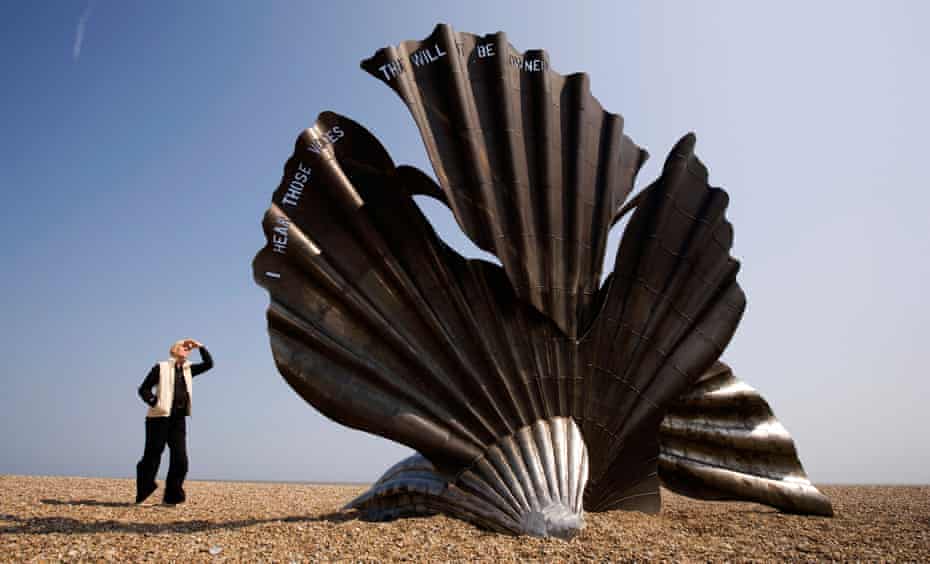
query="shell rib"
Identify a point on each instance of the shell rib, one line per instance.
(531, 165)
(721, 441)
(529, 483)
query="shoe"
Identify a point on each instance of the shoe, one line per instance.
(181, 498)
(142, 495)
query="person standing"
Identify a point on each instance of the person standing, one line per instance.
(165, 422)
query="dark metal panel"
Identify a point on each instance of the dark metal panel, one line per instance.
(379, 325)
(669, 309)
(531, 165)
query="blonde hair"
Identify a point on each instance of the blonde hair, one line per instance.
(175, 346)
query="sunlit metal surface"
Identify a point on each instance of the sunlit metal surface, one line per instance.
(529, 483)
(722, 441)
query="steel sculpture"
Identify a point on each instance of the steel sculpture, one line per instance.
(531, 392)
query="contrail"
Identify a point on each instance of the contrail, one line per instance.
(79, 33)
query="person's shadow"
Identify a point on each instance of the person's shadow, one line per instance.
(69, 525)
(90, 502)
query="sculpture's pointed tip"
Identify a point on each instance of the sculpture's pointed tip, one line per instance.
(686, 144)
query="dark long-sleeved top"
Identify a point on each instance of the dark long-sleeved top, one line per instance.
(180, 396)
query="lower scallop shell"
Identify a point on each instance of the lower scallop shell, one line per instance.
(531, 482)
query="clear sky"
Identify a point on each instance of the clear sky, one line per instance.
(141, 143)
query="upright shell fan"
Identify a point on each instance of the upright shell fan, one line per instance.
(532, 166)
(530, 393)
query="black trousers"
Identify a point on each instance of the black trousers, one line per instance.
(160, 431)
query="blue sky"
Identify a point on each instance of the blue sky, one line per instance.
(142, 142)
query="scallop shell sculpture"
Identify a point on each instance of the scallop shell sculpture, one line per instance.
(530, 392)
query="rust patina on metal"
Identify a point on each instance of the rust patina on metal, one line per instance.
(531, 391)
